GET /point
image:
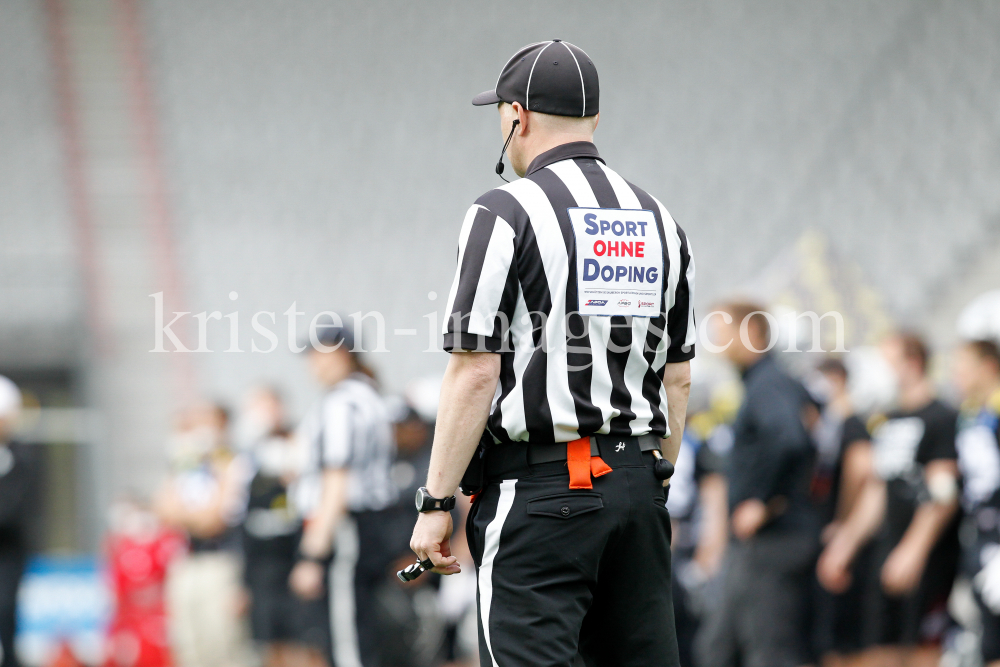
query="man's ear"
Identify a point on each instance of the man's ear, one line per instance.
(522, 117)
(597, 120)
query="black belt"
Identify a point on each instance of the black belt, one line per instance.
(517, 458)
(556, 451)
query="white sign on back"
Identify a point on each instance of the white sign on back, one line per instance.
(619, 261)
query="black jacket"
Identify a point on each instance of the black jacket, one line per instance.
(772, 453)
(18, 470)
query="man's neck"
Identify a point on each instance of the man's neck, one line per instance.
(915, 396)
(536, 146)
(750, 361)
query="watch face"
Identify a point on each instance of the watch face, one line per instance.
(419, 500)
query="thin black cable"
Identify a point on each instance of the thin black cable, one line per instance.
(500, 165)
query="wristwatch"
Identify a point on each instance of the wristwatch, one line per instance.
(427, 503)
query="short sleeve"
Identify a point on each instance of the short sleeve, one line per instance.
(337, 433)
(939, 436)
(708, 462)
(854, 431)
(680, 319)
(483, 294)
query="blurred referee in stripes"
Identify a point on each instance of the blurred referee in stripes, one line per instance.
(568, 528)
(348, 436)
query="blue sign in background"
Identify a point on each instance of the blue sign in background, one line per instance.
(62, 599)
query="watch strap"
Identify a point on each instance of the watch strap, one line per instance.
(432, 504)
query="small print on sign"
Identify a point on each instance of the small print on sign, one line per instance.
(619, 261)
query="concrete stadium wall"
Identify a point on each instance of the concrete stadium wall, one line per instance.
(325, 152)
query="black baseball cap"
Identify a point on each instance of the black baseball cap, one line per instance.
(553, 77)
(330, 335)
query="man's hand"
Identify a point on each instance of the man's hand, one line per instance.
(432, 539)
(903, 569)
(832, 569)
(306, 580)
(748, 517)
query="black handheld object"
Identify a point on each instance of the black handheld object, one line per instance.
(662, 468)
(475, 475)
(415, 570)
(500, 165)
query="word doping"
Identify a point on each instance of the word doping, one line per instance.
(592, 269)
(632, 274)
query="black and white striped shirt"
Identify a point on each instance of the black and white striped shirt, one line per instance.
(565, 374)
(349, 427)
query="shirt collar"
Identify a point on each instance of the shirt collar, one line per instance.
(574, 149)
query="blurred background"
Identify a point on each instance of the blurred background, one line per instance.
(247, 156)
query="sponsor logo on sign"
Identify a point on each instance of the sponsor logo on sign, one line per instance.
(624, 302)
(597, 302)
(646, 304)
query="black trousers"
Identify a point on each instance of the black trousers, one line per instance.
(564, 571)
(761, 618)
(375, 554)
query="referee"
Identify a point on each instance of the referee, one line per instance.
(348, 435)
(571, 329)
